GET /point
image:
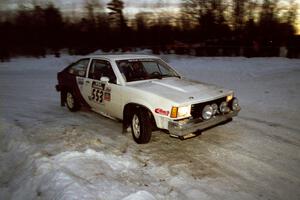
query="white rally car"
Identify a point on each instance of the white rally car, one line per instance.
(146, 94)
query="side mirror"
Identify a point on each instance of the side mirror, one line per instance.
(104, 79)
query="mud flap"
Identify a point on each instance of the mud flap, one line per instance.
(63, 96)
(125, 129)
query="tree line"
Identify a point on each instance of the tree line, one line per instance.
(201, 27)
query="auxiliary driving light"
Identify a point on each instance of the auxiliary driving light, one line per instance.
(223, 107)
(235, 104)
(207, 112)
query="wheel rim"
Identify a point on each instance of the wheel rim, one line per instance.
(70, 100)
(136, 126)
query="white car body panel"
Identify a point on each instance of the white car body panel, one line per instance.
(180, 91)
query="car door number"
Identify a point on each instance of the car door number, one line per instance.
(97, 95)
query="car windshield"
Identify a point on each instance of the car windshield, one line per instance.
(143, 69)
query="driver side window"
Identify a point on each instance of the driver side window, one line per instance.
(101, 68)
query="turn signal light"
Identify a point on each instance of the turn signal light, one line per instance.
(229, 98)
(174, 112)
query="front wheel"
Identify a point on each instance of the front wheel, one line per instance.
(141, 126)
(72, 102)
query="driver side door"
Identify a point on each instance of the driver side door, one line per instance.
(96, 92)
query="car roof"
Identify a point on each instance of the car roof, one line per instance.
(113, 57)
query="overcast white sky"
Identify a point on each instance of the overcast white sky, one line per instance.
(131, 6)
(11, 4)
(71, 4)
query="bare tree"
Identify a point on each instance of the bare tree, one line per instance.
(91, 6)
(116, 13)
(252, 6)
(144, 20)
(269, 11)
(208, 15)
(239, 12)
(193, 10)
(197, 9)
(290, 16)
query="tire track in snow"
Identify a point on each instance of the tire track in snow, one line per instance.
(273, 124)
(295, 140)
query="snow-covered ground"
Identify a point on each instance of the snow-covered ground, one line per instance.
(47, 152)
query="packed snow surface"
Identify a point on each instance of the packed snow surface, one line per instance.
(47, 152)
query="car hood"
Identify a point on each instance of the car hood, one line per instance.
(182, 91)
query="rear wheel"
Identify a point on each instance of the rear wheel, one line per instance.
(141, 126)
(72, 102)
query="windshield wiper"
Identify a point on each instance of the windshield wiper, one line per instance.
(168, 75)
(156, 75)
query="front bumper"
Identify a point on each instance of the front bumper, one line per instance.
(185, 128)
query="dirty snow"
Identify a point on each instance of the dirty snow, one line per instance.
(47, 152)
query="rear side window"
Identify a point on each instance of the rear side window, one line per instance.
(79, 68)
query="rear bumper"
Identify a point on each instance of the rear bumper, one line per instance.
(186, 127)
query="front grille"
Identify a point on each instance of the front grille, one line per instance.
(196, 109)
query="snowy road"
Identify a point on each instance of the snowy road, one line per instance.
(47, 152)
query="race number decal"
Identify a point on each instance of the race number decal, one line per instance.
(99, 92)
(97, 95)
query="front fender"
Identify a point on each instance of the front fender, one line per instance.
(160, 120)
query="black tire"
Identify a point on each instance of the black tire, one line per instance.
(71, 102)
(141, 126)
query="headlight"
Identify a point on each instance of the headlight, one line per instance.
(183, 111)
(223, 107)
(207, 112)
(235, 104)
